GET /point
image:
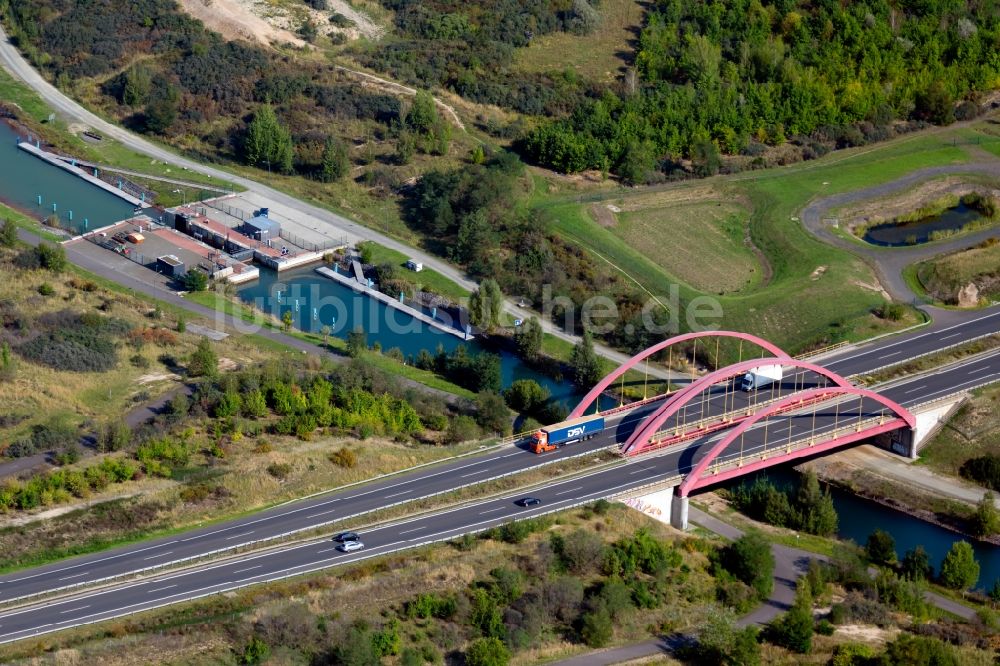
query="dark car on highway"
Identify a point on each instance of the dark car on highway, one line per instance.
(344, 537)
(528, 501)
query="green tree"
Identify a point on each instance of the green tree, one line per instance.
(203, 362)
(959, 570)
(525, 395)
(51, 257)
(750, 559)
(8, 234)
(423, 115)
(986, 520)
(486, 305)
(137, 85)
(881, 548)
(488, 651)
(357, 342)
(256, 651)
(916, 564)
(254, 404)
(492, 414)
(794, 629)
(161, 110)
(181, 324)
(195, 280)
(287, 320)
(585, 363)
(335, 162)
(114, 436)
(268, 143)
(8, 365)
(596, 628)
(818, 515)
(528, 338)
(719, 642)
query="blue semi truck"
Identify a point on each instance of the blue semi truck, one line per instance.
(552, 437)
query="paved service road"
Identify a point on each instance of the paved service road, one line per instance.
(315, 555)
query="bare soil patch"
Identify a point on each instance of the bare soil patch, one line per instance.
(234, 19)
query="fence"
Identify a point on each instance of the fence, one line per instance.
(310, 246)
(232, 211)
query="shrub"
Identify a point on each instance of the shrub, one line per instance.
(984, 470)
(825, 628)
(344, 457)
(462, 428)
(881, 548)
(114, 436)
(749, 558)
(596, 628)
(488, 651)
(279, 470)
(203, 362)
(580, 551)
(255, 652)
(46, 289)
(959, 570)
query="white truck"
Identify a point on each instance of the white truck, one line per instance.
(760, 377)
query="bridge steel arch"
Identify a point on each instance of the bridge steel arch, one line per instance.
(641, 437)
(696, 479)
(593, 394)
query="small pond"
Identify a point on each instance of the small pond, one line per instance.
(921, 231)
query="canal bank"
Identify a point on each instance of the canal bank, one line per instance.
(24, 178)
(859, 517)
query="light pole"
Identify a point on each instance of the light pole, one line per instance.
(183, 194)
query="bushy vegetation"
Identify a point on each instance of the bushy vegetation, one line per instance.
(807, 508)
(195, 84)
(62, 485)
(475, 216)
(68, 340)
(984, 470)
(731, 76)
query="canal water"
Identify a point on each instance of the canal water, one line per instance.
(919, 231)
(24, 177)
(859, 517)
(316, 301)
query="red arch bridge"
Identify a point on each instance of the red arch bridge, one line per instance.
(764, 408)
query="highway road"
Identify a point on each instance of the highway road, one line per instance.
(93, 606)
(442, 478)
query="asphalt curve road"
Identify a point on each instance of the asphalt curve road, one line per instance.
(319, 554)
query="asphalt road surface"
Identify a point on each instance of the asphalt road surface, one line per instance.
(94, 606)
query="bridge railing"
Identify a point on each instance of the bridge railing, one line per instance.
(716, 422)
(787, 447)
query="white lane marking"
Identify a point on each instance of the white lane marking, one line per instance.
(326, 550)
(248, 569)
(405, 492)
(949, 337)
(471, 474)
(153, 557)
(956, 388)
(321, 513)
(499, 508)
(74, 576)
(914, 390)
(237, 536)
(571, 490)
(977, 371)
(516, 453)
(892, 354)
(160, 589)
(415, 529)
(73, 610)
(910, 341)
(49, 572)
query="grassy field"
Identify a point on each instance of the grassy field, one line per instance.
(701, 243)
(428, 277)
(942, 277)
(973, 431)
(599, 56)
(818, 294)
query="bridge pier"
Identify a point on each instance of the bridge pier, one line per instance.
(679, 512)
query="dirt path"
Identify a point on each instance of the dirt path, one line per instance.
(400, 89)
